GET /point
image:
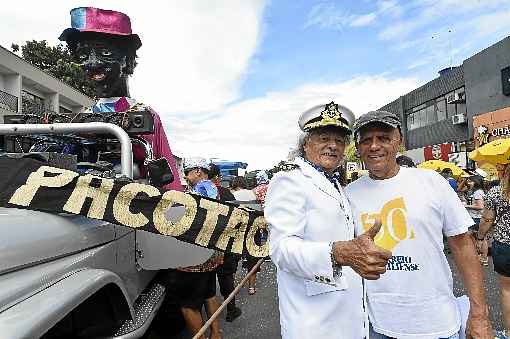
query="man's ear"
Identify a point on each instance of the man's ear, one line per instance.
(401, 137)
(305, 145)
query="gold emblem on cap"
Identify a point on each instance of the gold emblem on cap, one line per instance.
(331, 112)
(330, 116)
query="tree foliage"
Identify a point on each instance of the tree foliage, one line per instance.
(351, 154)
(57, 61)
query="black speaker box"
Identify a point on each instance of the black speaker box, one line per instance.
(160, 173)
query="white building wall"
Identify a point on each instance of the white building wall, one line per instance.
(17, 74)
(12, 84)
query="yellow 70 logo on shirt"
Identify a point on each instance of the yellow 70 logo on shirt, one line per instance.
(394, 227)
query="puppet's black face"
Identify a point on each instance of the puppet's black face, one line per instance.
(104, 64)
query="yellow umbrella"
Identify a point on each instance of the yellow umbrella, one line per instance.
(495, 152)
(440, 165)
(490, 169)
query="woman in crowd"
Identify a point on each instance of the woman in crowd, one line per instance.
(497, 214)
(474, 205)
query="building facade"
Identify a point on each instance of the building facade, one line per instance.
(437, 118)
(25, 89)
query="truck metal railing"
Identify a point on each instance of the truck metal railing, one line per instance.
(126, 153)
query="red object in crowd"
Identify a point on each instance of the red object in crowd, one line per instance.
(260, 192)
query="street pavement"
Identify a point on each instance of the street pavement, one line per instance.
(491, 290)
(260, 318)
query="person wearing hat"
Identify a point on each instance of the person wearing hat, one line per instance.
(202, 286)
(319, 263)
(414, 298)
(194, 286)
(102, 43)
(196, 173)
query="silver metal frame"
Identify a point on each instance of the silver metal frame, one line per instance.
(147, 148)
(126, 153)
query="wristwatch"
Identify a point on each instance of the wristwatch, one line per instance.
(337, 269)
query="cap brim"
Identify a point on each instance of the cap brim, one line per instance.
(73, 34)
(312, 127)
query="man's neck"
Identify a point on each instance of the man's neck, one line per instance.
(390, 174)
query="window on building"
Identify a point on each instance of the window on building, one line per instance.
(451, 109)
(436, 110)
(461, 92)
(31, 103)
(461, 108)
(419, 107)
(422, 114)
(431, 114)
(411, 122)
(441, 108)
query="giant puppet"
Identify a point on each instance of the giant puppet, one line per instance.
(102, 42)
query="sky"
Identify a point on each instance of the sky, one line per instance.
(230, 78)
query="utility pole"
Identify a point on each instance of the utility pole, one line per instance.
(450, 50)
(450, 46)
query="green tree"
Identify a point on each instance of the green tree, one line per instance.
(57, 61)
(351, 154)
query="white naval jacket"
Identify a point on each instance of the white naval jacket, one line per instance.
(304, 213)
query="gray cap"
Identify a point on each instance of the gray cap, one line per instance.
(385, 117)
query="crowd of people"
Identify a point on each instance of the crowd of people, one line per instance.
(352, 261)
(488, 205)
(194, 288)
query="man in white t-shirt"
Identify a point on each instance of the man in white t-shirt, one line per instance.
(238, 188)
(414, 298)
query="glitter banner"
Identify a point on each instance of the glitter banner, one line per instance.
(29, 184)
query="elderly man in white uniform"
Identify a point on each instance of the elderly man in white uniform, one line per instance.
(320, 264)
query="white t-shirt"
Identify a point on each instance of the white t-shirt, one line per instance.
(477, 195)
(414, 298)
(247, 195)
(244, 195)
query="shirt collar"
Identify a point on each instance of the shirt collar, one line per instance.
(335, 178)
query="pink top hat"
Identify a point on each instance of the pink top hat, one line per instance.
(90, 19)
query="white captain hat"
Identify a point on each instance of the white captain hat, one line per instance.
(327, 115)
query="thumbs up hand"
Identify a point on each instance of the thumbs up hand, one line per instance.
(362, 254)
(372, 232)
